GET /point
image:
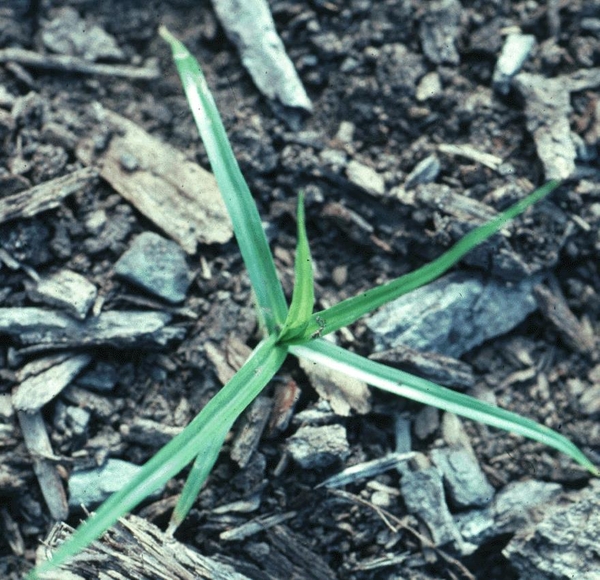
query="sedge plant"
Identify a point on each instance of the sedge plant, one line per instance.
(295, 330)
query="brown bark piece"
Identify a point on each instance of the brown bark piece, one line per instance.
(46, 195)
(343, 393)
(248, 436)
(306, 564)
(285, 397)
(177, 195)
(229, 362)
(554, 307)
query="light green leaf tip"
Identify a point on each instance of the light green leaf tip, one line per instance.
(303, 297)
(351, 309)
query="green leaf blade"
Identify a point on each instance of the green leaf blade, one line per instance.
(200, 471)
(350, 310)
(247, 226)
(303, 297)
(423, 391)
(213, 422)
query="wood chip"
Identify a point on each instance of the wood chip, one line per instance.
(15, 472)
(46, 195)
(38, 443)
(40, 388)
(53, 329)
(441, 197)
(563, 541)
(343, 393)
(307, 565)
(180, 197)
(106, 408)
(12, 533)
(350, 222)
(248, 436)
(135, 549)
(367, 469)
(554, 307)
(547, 112)
(469, 152)
(229, 362)
(149, 433)
(263, 54)
(67, 290)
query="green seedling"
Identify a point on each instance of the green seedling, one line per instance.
(296, 330)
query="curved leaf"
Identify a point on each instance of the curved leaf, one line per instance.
(423, 391)
(350, 310)
(215, 419)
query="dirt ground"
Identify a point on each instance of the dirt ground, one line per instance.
(382, 97)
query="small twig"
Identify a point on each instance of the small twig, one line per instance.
(255, 526)
(45, 196)
(71, 64)
(366, 469)
(394, 524)
(487, 159)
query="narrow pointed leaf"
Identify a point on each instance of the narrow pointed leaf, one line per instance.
(303, 297)
(217, 417)
(350, 310)
(247, 226)
(203, 464)
(424, 391)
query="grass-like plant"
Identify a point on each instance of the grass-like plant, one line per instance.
(296, 330)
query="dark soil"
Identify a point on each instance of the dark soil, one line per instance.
(344, 53)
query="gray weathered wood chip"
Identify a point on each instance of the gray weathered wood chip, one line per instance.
(38, 443)
(263, 54)
(40, 388)
(67, 290)
(36, 326)
(135, 549)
